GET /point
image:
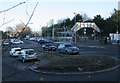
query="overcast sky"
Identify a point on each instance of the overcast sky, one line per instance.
(47, 10)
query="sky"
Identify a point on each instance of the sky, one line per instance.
(51, 9)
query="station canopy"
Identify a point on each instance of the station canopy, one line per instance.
(80, 25)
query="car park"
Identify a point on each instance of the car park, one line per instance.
(49, 47)
(15, 51)
(27, 54)
(68, 48)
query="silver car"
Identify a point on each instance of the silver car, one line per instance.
(68, 48)
(27, 54)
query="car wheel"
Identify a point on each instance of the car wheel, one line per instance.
(19, 59)
(36, 59)
(10, 55)
(43, 49)
(60, 52)
(66, 52)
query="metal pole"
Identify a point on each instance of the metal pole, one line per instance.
(53, 32)
(53, 29)
(75, 23)
(84, 33)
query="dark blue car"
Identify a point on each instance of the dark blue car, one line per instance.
(44, 41)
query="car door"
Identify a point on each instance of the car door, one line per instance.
(61, 48)
(64, 49)
(11, 51)
(21, 56)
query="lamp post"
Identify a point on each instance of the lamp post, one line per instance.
(75, 32)
(53, 30)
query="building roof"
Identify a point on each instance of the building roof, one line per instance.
(80, 25)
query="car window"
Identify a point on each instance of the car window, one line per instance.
(30, 52)
(60, 46)
(48, 45)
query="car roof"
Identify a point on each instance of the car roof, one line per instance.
(16, 48)
(65, 43)
(26, 49)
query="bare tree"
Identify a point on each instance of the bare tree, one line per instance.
(19, 28)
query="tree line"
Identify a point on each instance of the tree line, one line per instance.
(108, 25)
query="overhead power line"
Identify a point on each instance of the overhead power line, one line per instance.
(7, 22)
(13, 7)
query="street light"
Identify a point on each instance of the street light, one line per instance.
(53, 30)
(75, 22)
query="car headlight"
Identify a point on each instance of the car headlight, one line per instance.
(69, 50)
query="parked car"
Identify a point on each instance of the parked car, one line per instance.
(49, 47)
(17, 41)
(15, 51)
(27, 54)
(6, 43)
(68, 48)
(43, 41)
(32, 39)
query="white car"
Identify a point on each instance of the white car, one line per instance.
(17, 42)
(5, 43)
(27, 54)
(15, 51)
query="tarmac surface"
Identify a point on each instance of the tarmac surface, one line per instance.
(14, 70)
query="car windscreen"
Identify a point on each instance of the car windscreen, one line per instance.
(48, 44)
(69, 45)
(17, 49)
(30, 52)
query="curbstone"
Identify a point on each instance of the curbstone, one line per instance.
(105, 70)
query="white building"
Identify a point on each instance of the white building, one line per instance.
(114, 37)
(80, 25)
